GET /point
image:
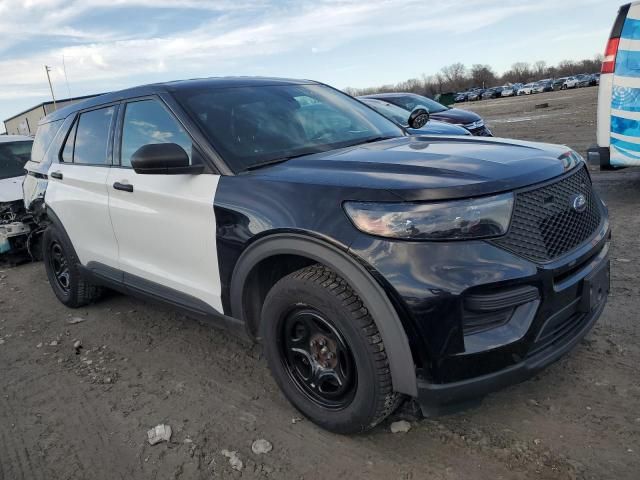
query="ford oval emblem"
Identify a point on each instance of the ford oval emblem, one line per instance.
(579, 203)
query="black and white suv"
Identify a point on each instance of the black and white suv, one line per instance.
(372, 265)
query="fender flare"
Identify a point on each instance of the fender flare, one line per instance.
(56, 222)
(393, 335)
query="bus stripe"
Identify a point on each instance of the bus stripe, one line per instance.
(625, 145)
(628, 63)
(625, 126)
(631, 29)
(625, 98)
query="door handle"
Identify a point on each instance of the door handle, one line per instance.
(57, 175)
(125, 187)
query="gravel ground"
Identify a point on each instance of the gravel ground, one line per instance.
(85, 415)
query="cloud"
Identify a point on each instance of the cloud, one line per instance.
(230, 31)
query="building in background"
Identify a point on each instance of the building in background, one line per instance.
(26, 123)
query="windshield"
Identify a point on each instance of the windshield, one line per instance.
(411, 102)
(253, 125)
(392, 112)
(13, 156)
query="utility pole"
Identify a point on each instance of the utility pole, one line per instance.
(48, 69)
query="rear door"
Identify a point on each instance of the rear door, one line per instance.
(77, 191)
(624, 85)
(165, 224)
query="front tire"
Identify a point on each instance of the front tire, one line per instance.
(325, 351)
(63, 271)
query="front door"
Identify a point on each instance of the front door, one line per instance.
(164, 224)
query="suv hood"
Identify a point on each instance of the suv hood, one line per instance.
(11, 189)
(428, 168)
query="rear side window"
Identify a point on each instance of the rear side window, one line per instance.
(147, 121)
(88, 141)
(44, 136)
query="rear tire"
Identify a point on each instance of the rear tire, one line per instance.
(346, 389)
(63, 271)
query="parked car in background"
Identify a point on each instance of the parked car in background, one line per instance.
(618, 120)
(583, 80)
(476, 95)
(595, 79)
(464, 118)
(371, 265)
(558, 83)
(15, 223)
(494, 92)
(527, 89)
(543, 86)
(570, 82)
(508, 91)
(401, 117)
(461, 97)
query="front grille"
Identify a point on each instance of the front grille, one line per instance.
(544, 225)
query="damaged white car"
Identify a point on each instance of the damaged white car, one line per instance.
(16, 224)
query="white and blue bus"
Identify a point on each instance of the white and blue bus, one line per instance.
(618, 133)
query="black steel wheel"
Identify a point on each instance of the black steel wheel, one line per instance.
(63, 270)
(318, 359)
(325, 351)
(60, 266)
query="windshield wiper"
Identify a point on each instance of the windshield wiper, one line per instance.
(274, 161)
(375, 139)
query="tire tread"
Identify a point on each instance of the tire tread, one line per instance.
(327, 279)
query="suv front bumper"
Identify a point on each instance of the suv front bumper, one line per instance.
(438, 399)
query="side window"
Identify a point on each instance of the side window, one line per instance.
(44, 136)
(147, 121)
(91, 135)
(67, 151)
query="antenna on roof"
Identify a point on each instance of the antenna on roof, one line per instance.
(48, 69)
(64, 67)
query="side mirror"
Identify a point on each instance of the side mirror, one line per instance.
(163, 159)
(418, 118)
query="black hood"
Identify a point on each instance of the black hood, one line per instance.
(457, 116)
(428, 168)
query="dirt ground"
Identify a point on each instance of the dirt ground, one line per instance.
(78, 416)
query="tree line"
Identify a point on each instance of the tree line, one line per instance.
(458, 77)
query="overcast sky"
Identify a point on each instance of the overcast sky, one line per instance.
(113, 44)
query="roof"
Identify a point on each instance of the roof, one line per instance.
(14, 138)
(49, 103)
(154, 88)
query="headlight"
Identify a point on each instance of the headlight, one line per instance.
(570, 159)
(457, 220)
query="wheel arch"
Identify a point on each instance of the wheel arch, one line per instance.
(309, 250)
(49, 217)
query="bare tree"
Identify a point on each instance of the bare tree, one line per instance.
(455, 76)
(482, 76)
(519, 72)
(540, 69)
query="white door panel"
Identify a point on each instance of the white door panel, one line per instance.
(81, 202)
(166, 231)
